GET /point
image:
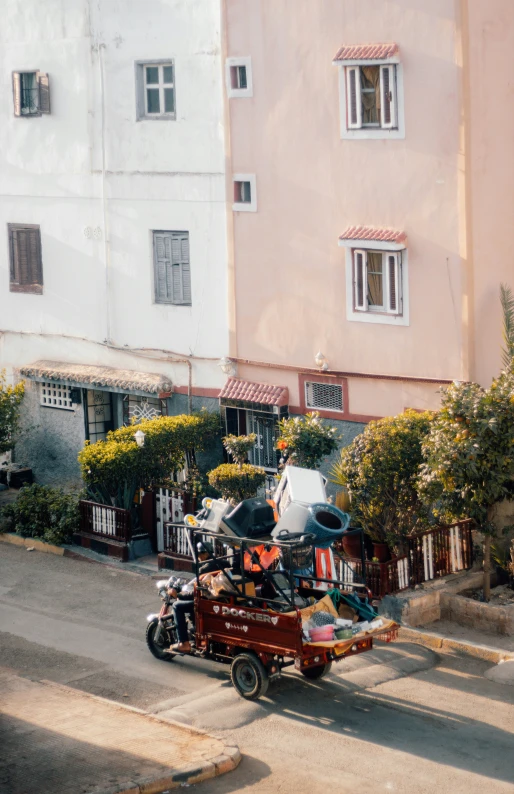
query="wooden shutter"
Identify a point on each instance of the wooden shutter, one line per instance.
(360, 287)
(393, 283)
(26, 269)
(16, 90)
(181, 278)
(388, 96)
(44, 92)
(162, 254)
(186, 270)
(353, 88)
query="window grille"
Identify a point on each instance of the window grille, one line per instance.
(324, 396)
(56, 395)
(137, 408)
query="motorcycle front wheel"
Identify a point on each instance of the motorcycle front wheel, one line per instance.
(158, 645)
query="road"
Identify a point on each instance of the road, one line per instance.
(399, 719)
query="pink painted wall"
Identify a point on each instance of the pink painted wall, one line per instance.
(491, 162)
(289, 270)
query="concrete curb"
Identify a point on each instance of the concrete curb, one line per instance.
(439, 642)
(220, 765)
(34, 543)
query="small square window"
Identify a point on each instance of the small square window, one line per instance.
(31, 92)
(377, 281)
(239, 77)
(56, 395)
(155, 90)
(245, 194)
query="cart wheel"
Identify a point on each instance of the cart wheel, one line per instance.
(158, 649)
(317, 672)
(249, 676)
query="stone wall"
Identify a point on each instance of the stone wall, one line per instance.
(479, 616)
(50, 440)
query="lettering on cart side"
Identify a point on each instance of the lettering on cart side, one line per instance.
(257, 616)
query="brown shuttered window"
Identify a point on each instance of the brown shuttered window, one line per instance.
(26, 267)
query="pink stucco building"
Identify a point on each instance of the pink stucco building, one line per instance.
(371, 184)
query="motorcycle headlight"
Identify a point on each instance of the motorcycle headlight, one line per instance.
(161, 584)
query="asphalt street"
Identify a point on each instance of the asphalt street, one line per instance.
(399, 719)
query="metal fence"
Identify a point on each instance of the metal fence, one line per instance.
(105, 521)
(431, 554)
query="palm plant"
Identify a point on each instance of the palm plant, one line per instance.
(507, 304)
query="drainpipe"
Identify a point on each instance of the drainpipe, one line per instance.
(107, 252)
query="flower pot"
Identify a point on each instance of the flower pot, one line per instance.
(352, 545)
(381, 552)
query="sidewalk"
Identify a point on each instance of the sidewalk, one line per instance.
(56, 740)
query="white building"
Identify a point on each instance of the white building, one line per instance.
(112, 215)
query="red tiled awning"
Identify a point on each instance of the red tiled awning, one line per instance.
(373, 234)
(247, 390)
(366, 52)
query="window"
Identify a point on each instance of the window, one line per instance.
(371, 97)
(371, 91)
(324, 396)
(56, 395)
(136, 408)
(245, 193)
(156, 90)
(31, 93)
(239, 77)
(172, 268)
(377, 281)
(26, 268)
(99, 415)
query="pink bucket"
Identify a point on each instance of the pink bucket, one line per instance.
(322, 634)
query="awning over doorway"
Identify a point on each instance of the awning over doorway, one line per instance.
(249, 391)
(92, 376)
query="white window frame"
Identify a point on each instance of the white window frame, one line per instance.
(234, 63)
(351, 128)
(246, 206)
(383, 315)
(56, 395)
(141, 96)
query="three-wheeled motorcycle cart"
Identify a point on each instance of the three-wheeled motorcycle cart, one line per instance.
(255, 625)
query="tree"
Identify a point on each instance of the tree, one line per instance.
(10, 401)
(115, 468)
(380, 469)
(239, 447)
(469, 457)
(306, 440)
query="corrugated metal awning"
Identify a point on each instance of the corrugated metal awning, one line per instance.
(93, 376)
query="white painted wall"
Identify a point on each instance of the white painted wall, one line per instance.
(91, 164)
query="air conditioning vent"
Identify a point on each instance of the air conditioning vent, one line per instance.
(324, 396)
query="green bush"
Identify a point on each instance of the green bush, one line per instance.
(380, 470)
(43, 512)
(306, 440)
(115, 468)
(239, 447)
(237, 483)
(10, 401)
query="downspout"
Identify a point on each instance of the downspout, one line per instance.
(107, 254)
(468, 363)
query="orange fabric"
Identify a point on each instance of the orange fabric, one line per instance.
(325, 567)
(275, 511)
(266, 557)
